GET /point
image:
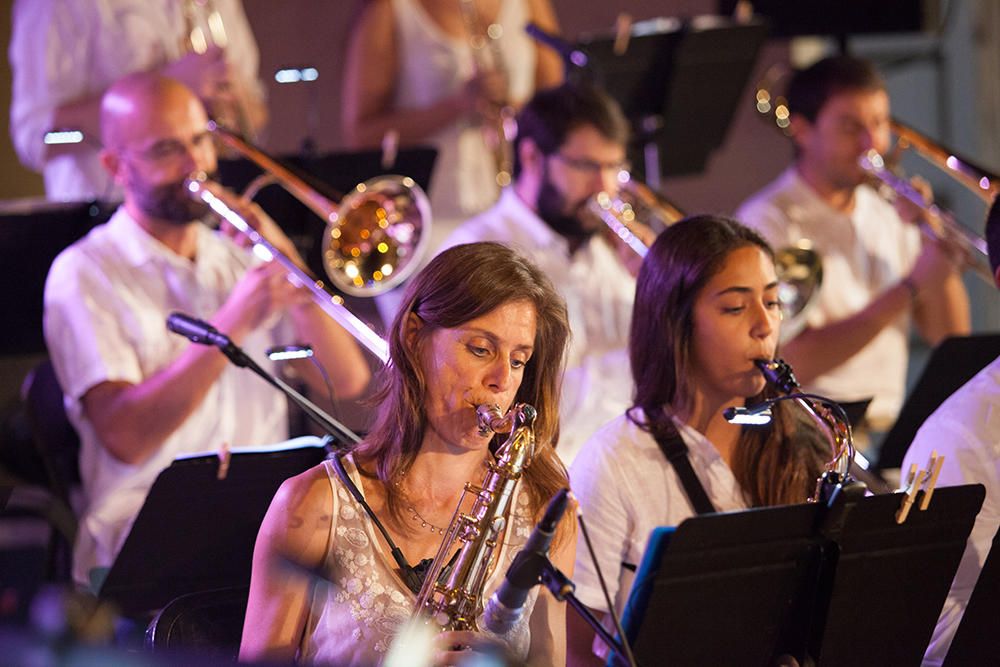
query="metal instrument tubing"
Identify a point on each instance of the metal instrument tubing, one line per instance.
(345, 318)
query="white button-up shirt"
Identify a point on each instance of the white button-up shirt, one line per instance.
(107, 298)
(864, 254)
(965, 429)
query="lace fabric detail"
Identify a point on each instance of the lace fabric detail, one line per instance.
(355, 617)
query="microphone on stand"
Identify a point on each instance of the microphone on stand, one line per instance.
(506, 605)
(197, 331)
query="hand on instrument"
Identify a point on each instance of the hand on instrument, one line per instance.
(259, 220)
(629, 257)
(909, 211)
(262, 292)
(934, 264)
(486, 93)
(461, 647)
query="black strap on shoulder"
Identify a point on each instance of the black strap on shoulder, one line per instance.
(410, 577)
(676, 451)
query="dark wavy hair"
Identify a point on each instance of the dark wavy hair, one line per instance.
(459, 285)
(769, 465)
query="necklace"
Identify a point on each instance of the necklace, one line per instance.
(424, 523)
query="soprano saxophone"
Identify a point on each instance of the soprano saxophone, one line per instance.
(451, 596)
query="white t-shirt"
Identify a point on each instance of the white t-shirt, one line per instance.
(107, 298)
(965, 429)
(864, 254)
(626, 488)
(599, 293)
(68, 49)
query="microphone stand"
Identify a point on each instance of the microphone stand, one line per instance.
(330, 425)
(563, 589)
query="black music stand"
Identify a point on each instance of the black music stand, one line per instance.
(953, 363)
(747, 587)
(680, 83)
(32, 233)
(977, 635)
(889, 580)
(196, 532)
(725, 589)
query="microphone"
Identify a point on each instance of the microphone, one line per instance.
(506, 605)
(197, 331)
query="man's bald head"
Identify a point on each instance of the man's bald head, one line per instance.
(134, 103)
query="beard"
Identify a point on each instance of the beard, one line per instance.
(169, 202)
(552, 209)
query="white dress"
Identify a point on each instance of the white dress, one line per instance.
(434, 65)
(354, 620)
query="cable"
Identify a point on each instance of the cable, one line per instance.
(604, 589)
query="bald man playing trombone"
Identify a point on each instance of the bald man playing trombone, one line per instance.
(137, 394)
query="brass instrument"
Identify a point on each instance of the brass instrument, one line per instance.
(499, 134)
(373, 238)
(934, 221)
(799, 269)
(830, 418)
(204, 28)
(451, 597)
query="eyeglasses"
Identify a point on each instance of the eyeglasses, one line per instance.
(586, 166)
(167, 150)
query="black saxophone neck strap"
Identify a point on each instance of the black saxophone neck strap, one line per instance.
(676, 451)
(410, 575)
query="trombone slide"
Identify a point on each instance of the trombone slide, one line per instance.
(345, 318)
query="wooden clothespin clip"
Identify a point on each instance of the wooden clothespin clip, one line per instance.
(390, 149)
(224, 457)
(623, 33)
(910, 489)
(920, 480)
(933, 470)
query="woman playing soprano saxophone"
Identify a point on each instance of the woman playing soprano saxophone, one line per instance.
(479, 326)
(706, 307)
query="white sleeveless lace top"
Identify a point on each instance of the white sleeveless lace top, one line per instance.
(353, 620)
(434, 65)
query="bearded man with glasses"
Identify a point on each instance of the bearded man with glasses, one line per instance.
(137, 394)
(571, 145)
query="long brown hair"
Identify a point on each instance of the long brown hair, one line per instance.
(459, 285)
(770, 465)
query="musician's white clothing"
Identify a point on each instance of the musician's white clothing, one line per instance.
(107, 298)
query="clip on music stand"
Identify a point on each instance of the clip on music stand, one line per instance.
(196, 532)
(802, 580)
(680, 83)
(977, 635)
(953, 363)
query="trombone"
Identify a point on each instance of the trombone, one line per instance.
(799, 268)
(373, 240)
(935, 221)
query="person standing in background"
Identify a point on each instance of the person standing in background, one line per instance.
(414, 67)
(65, 54)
